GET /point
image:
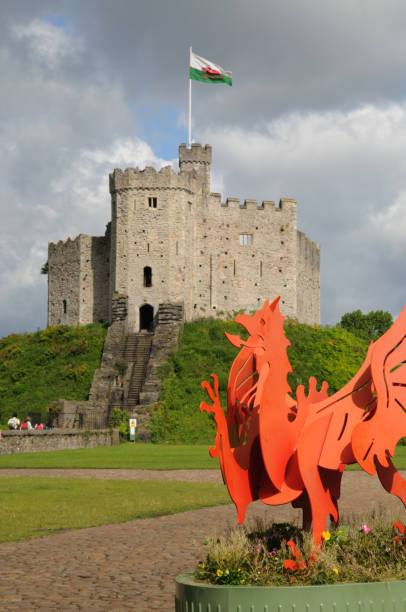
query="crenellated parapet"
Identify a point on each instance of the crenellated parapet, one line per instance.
(150, 178)
(286, 205)
(196, 154)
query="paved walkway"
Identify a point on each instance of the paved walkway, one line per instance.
(132, 566)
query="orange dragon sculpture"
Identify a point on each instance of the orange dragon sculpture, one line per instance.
(279, 450)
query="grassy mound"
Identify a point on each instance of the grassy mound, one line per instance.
(39, 368)
(330, 354)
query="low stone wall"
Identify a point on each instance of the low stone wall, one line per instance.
(56, 439)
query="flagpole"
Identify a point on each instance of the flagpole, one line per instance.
(190, 101)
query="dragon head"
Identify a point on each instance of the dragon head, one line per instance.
(262, 357)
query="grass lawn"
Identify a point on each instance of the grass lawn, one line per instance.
(129, 455)
(32, 507)
(399, 460)
(136, 456)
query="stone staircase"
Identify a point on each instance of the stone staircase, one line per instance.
(137, 388)
(136, 353)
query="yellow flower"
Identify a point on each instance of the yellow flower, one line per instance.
(335, 570)
(326, 535)
(202, 565)
(339, 532)
(227, 572)
(219, 573)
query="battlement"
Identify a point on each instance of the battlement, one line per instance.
(285, 204)
(149, 178)
(68, 242)
(196, 154)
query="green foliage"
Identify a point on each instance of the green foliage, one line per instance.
(369, 552)
(367, 326)
(39, 368)
(121, 367)
(330, 354)
(119, 420)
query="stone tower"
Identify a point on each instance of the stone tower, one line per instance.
(171, 240)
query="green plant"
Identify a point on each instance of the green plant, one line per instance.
(121, 367)
(120, 420)
(283, 555)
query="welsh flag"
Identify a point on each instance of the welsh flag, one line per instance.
(208, 72)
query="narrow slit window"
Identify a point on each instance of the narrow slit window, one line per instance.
(234, 267)
(147, 276)
(64, 307)
(245, 239)
(153, 202)
(147, 247)
(260, 268)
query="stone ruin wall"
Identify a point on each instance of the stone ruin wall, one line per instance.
(78, 274)
(308, 280)
(63, 282)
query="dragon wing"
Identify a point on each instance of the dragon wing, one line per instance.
(381, 429)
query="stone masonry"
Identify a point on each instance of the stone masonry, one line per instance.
(172, 241)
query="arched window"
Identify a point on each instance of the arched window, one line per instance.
(147, 276)
(64, 307)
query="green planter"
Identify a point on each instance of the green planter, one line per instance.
(193, 596)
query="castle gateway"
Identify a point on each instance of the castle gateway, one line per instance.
(172, 241)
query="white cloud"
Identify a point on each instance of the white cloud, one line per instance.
(347, 171)
(48, 43)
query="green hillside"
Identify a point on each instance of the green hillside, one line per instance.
(59, 362)
(330, 354)
(39, 368)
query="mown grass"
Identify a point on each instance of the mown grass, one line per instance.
(32, 507)
(126, 456)
(39, 368)
(136, 456)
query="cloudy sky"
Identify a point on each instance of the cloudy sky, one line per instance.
(317, 112)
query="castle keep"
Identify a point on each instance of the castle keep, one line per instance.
(172, 241)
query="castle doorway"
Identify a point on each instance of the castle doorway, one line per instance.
(146, 317)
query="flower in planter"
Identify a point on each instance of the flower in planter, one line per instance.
(365, 528)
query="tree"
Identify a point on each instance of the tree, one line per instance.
(44, 268)
(367, 326)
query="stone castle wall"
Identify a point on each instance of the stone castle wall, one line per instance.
(232, 276)
(63, 282)
(308, 280)
(172, 241)
(78, 280)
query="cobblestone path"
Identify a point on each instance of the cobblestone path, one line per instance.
(132, 566)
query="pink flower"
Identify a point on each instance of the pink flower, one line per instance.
(365, 528)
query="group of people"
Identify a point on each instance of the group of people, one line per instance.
(15, 423)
